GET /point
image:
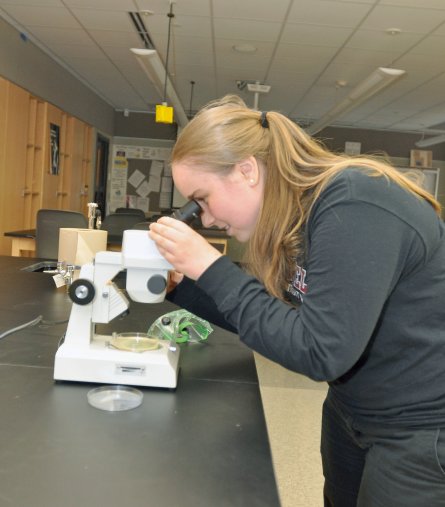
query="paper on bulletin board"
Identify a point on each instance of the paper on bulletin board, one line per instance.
(136, 202)
(118, 183)
(167, 169)
(143, 203)
(155, 153)
(141, 180)
(156, 168)
(167, 184)
(154, 182)
(136, 178)
(144, 189)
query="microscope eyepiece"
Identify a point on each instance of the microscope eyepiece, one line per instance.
(188, 212)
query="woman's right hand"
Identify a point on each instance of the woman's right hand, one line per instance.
(186, 250)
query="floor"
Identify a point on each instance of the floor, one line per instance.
(292, 405)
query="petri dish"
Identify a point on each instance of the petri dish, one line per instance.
(134, 342)
(115, 398)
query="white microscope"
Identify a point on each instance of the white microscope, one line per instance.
(85, 356)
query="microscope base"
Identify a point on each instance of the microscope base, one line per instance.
(102, 364)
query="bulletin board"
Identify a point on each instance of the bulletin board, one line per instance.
(140, 177)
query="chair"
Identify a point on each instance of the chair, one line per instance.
(143, 226)
(131, 211)
(48, 223)
(116, 223)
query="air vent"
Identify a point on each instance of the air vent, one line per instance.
(141, 30)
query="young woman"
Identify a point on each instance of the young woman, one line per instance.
(346, 284)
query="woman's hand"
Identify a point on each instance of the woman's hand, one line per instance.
(186, 250)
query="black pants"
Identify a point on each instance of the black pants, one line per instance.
(380, 467)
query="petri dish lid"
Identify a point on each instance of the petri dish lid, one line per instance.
(115, 398)
(134, 342)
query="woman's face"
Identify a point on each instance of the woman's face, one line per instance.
(230, 201)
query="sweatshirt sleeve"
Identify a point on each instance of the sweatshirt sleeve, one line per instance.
(187, 295)
(356, 251)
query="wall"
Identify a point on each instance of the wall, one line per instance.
(143, 126)
(395, 145)
(26, 65)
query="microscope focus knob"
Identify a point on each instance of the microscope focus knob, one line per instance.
(81, 292)
(156, 284)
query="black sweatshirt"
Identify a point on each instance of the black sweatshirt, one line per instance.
(372, 316)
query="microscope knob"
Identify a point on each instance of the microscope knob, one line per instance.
(156, 284)
(81, 292)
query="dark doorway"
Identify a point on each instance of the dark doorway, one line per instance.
(101, 173)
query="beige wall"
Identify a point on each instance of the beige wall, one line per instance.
(24, 64)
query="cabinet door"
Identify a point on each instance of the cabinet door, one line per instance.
(14, 113)
(87, 183)
(34, 161)
(72, 179)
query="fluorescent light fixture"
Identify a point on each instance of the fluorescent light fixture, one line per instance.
(430, 141)
(154, 68)
(373, 84)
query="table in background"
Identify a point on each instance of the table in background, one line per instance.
(204, 444)
(23, 243)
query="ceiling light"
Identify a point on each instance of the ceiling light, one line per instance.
(154, 68)
(373, 84)
(430, 141)
(244, 48)
(393, 31)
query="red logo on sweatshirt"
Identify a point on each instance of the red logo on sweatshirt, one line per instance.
(298, 287)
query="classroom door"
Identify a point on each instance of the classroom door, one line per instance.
(101, 173)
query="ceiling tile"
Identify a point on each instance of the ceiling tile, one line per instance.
(93, 19)
(238, 29)
(41, 16)
(55, 35)
(296, 33)
(37, 3)
(419, 20)
(114, 38)
(327, 13)
(303, 48)
(108, 5)
(425, 4)
(251, 10)
(379, 40)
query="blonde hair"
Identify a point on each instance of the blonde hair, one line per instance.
(297, 169)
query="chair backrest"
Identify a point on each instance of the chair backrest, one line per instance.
(131, 211)
(141, 226)
(117, 223)
(48, 223)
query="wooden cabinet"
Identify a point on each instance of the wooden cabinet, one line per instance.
(76, 167)
(13, 159)
(27, 182)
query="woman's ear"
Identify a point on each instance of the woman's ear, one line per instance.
(250, 170)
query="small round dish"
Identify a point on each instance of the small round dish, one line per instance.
(114, 398)
(134, 342)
